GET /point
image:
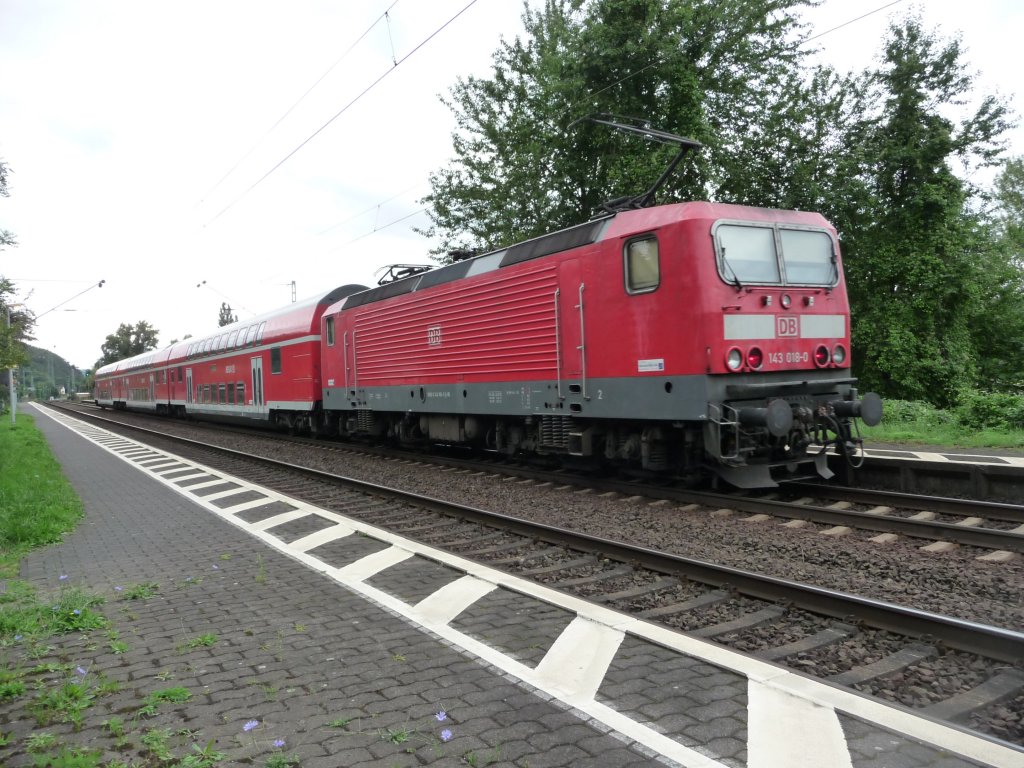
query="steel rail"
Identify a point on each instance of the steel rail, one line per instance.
(992, 642)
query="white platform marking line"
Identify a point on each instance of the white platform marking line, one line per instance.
(577, 661)
(245, 505)
(452, 599)
(281, 519)
(931, 733)
(212, 497)
(786, 731)
(204, 484)
(173, 481)
(371, 565)
(314, 540)
(151, 464)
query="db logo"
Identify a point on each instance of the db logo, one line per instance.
(787, 326)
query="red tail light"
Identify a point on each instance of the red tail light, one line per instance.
(755, 358)
(821, 356)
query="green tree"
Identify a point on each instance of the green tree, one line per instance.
(1009, 217)
(127, 341)
(226, 318)
(16, 322)
(705, 69)
(17, 331)
(6, 238)
(999, 332)
(915, 263)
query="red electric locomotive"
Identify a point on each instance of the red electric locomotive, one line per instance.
(675, 338)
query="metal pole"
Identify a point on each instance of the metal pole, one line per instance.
(10, 377)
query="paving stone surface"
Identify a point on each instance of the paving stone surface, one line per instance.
(519, 625)
(698, 704)
(254, 635)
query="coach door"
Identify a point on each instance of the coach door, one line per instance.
(188, 386)
(257, 382)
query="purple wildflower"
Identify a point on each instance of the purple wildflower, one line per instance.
(216, 567)
(77, 612)
(81, 670)
(119, 589)
(278, 743)
(446, 735)
(250, 725)
(17, 638)
(441, 716)
(63, 577)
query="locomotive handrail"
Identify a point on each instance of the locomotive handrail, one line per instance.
(558, 348)
(583, 348)
(345, 340)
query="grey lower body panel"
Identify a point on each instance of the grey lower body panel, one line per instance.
(682, 398)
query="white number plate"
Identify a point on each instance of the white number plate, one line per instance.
(778, 358)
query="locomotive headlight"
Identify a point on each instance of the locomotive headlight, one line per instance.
(734, 359)
(821, 357)
(755, 357)
(839, 354)
(785, 301)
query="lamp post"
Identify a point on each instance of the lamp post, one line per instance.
(10, 373)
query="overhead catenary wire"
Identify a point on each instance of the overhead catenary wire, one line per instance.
(661, 60)
(301, 98)
(342, 111)
(621, 80)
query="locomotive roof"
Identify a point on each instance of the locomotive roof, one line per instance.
(619, 224)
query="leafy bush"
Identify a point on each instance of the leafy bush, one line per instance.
(915, 412)
(991, 410)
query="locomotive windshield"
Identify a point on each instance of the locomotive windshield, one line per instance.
(774, 255)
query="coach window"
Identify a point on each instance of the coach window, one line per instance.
(231, 339)
(275, 360)
(231, 393)
(643, 272)
(223, 394)
(259, 333)
(330, 331)
(240, 392)
(250, 334)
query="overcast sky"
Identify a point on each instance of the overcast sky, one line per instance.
(146, 141)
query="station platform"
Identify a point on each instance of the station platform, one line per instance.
(360, 648)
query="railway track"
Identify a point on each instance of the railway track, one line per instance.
(875, 647)
(996, 528)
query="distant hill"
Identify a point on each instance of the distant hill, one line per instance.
(45, 375)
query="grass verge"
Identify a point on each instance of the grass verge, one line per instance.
(37, 504)
(916, 423)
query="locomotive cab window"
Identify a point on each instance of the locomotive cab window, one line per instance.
(774, 254)
(642, 269)
(329, 322)
(808, 256)
(275, 360)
